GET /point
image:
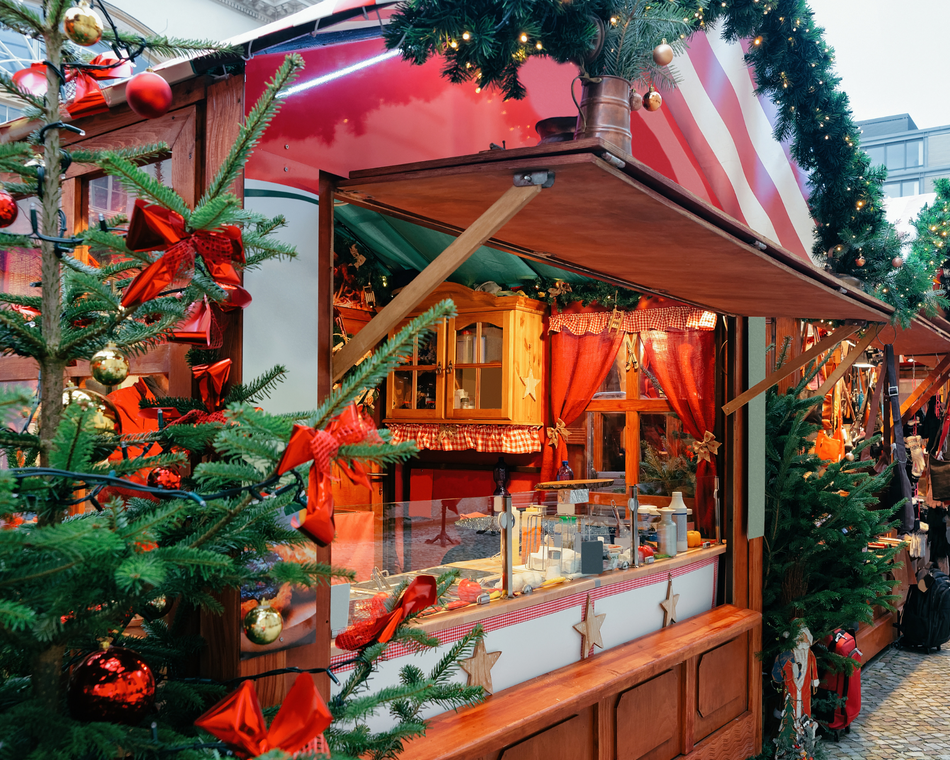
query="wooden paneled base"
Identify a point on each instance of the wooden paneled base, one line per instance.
(684, 691)
(875, 637)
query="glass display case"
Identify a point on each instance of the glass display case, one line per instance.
(464, 535)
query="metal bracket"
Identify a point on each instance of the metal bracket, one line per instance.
(541, 178)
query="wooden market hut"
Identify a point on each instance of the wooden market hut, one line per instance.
(658, 222)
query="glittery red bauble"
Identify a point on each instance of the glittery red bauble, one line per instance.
(168, 478)
(112, 686)
(8, 209)
(148, 95)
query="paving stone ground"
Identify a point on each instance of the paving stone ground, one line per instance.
(904, 711)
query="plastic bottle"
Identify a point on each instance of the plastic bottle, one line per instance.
(565, 472)
(666, 532)
(679, 517)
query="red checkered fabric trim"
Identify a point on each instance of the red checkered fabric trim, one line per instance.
(451, 635)
(666, 318)
(506, 439)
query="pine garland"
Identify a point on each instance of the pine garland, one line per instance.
(488, 41)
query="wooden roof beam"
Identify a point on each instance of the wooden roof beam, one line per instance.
(853, 355)
(930, 385)
(474, 237)
(787, 369)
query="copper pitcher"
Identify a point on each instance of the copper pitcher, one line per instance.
(604, 111)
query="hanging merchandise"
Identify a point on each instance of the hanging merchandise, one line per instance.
(114, 685)
(149, 95)
(109, 366)
(8, 209)
(901, 477)
(82, 25)
(917, 455)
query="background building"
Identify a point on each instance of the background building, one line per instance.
(914, 157)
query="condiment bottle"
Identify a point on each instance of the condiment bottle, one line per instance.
(679, 517)
(666, 532)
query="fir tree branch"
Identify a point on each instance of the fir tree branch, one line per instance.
(136, 154)
(21, 18)
(143, 184)
(169, 47)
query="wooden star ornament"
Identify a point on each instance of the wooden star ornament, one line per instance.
(669, 604)
(589, 629)
(530, 385)
(479, 666)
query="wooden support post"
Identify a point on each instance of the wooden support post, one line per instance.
(812, 353)
(473, 238)
(845, 364)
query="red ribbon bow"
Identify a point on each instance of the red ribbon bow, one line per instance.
(198, 328)
(211, 379)
(88, 98)
(419, 594)
(238, 721)
(156, 228)
(348, 427)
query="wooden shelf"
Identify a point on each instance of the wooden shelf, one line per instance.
(560, 485)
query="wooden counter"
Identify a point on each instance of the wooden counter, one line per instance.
(688, 690)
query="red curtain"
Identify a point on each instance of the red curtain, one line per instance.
(578, 366)
(684, 364)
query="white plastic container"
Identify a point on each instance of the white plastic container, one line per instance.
(666, 532)
(680, 513)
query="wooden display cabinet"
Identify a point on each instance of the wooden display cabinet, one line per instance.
(483, 366)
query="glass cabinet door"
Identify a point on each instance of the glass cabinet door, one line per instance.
(477, 382)
(416, 388)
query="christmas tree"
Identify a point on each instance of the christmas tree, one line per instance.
(820, 517)
(85, 544)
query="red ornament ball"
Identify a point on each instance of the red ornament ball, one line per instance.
(168, 478)
(148, 95)
(8, 209)
(897, 262)
(111, 686)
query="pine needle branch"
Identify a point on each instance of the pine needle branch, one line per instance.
(143, 184)
(20, 18)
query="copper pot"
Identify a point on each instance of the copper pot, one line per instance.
(604, 111)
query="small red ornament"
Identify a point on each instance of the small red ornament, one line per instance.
(148, 95)
(168, 478)
(8, 209)
(111, 686)
(897, 262)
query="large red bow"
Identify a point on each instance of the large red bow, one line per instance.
(88, 98)
(156, 228)
(237, 720)
(348, 427)
(419, 594)
(211, 379)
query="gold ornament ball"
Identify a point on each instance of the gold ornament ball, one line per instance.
(636, 100)
(109, 366)
(263, 625)
(105, 415)
(662, 54)
(83, 25)
(652, 100)
(897, 262)
(860, 261)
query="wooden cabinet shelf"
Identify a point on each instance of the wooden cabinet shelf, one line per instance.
(483, 366)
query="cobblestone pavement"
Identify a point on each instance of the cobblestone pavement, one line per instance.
(903, 709)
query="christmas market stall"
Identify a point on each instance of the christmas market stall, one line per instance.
(592, 443)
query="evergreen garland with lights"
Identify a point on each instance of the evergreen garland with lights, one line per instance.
(933, 229)
(491, 39)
